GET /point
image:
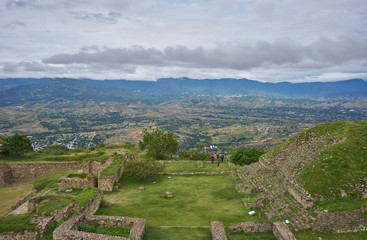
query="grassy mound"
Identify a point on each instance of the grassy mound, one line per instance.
(340, 166)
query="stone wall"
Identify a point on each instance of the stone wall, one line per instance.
(26, 235)
(302, 197)
(282, 232)
(218, 231)
(69, 229)
(106, 183)
(43, 224)
(96, 167)
(347, 221)
(252, 227)
(60, 214)
(32, 171)
(6, 176)
(92, 206)
(76, 183)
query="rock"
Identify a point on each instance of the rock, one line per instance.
(115, 187)
(170, 196)
(68, 190)
(364, 195)
(162, 196)
(168, 193)
(141, 188)
(251, 213)
(343, 194)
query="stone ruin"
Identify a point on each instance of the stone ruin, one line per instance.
(69, 229)
(6, 176)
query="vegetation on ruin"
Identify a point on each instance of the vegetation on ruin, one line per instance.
(86, 195)
(120, 232)
(340, 166)
(114, 166)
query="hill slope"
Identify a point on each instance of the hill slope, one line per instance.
(325, 159)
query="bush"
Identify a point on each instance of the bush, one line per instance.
(143, 168)
(159, 143)
(55, 149)
(246, 155)
(16, 145)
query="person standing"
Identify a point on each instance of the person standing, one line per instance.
(217, 159)
(212, 157)
(222, 157)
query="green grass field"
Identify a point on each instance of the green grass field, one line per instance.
(198, 200)
(192, 167)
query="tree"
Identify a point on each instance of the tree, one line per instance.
(142, 168)
(246, 155)
(17, 145)
(159, 142)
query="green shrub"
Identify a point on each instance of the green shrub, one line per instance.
(114, 166)
(121, 232)
(78, 175)
(143, 168)
(86, 195)
(55, 149)
(246, 155)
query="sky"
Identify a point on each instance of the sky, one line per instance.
(264, 40)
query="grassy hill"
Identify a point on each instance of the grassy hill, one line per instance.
(325, 160)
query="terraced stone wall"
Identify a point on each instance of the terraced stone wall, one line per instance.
(6, 176)
(32, 171)
(76, 183)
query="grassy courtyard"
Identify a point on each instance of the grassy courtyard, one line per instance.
(197, 201)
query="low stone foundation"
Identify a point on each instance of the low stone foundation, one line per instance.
(69, 229)
(282, 232)
(218, 231)
(43, 224)
(107, 183)
(252, 227)
(26, 235)
(76, 183)
(32, 171)
(92, 206)
(60, 214)
(340, 222)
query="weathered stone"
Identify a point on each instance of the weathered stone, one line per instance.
(218, 231)
(282, 232)
(170, 196)
(252, 227)
(68, 190)
(141, 188)
(347, 221)
(6, 176)
(343, 194)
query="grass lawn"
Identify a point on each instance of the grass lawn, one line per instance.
(192, 167)
(12, 194)
(311, 235)
(252, 236)
(198, 200)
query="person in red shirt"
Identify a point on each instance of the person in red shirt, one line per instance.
(212, 157)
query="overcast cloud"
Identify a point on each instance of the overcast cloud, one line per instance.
(266, 40)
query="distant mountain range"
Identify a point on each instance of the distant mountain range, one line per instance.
(22, 90)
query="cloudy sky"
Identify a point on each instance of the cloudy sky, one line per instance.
(265, 40)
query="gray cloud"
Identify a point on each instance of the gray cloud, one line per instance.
(320, 54)
(18, 4)
(110, 17)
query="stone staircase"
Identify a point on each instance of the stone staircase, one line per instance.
(280, 205)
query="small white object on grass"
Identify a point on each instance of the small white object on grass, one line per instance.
(154, 182)
(252, 213)
(169, 177)
(286, 221)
